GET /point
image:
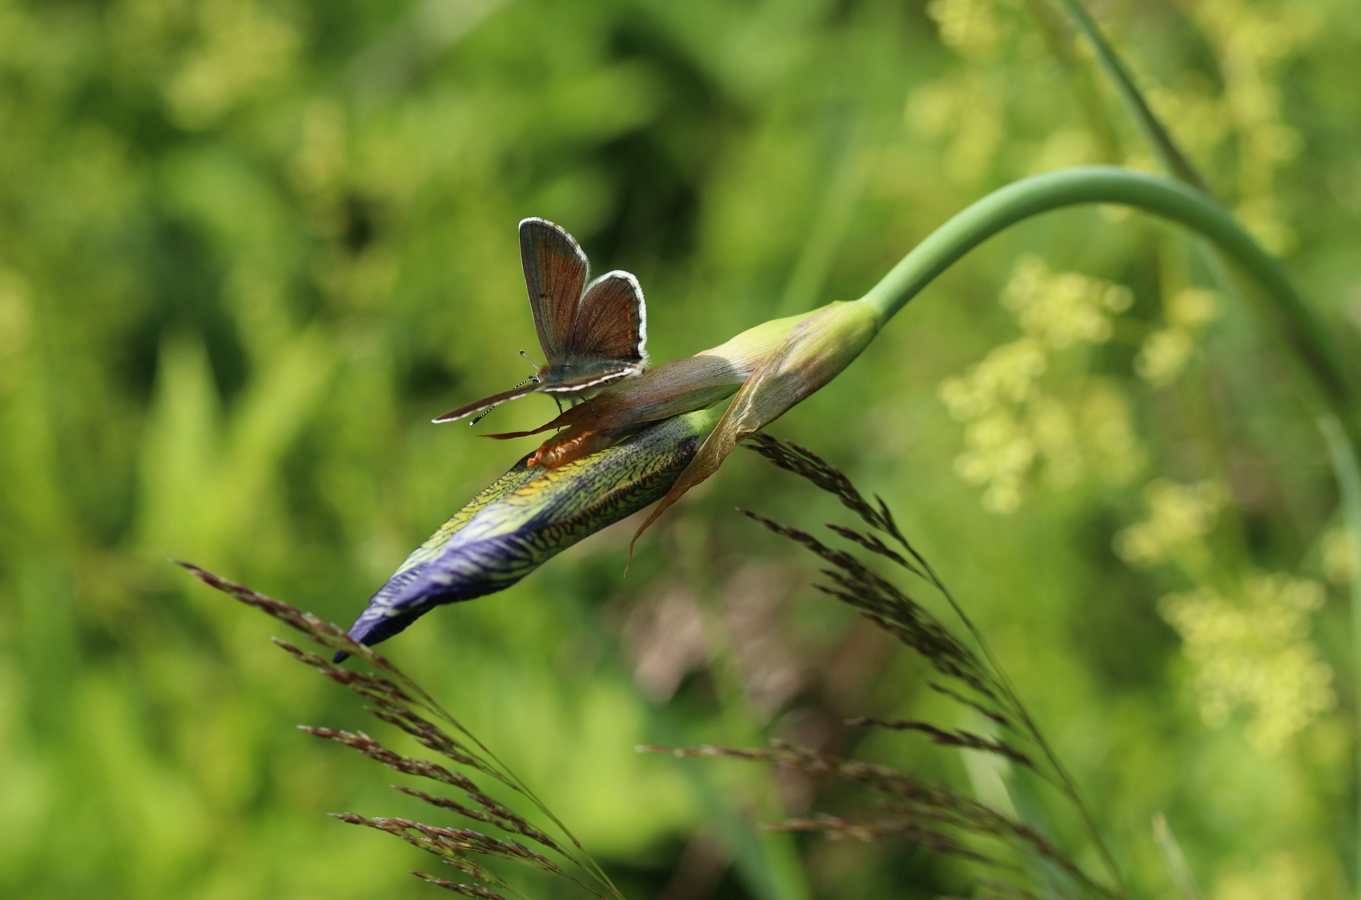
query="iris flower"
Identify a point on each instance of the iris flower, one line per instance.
(638, 440)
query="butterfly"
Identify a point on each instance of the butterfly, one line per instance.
(591, 333)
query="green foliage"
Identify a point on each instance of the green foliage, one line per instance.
(247, 250)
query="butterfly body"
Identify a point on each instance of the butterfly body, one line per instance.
(570, 374)
(592, 333)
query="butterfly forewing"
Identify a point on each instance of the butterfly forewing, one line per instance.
(555, 274)
(463, 412)
(611, 324)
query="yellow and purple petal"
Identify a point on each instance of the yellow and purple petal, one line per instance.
(526, 517)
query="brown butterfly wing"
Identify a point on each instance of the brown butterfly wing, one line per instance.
(611, 325)
(463, 412)
(555, 274)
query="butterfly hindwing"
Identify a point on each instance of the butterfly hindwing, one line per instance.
(611, 323)
(555, 275)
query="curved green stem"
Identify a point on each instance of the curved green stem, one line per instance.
(1313, 352)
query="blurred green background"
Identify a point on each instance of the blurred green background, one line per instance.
(249, 249)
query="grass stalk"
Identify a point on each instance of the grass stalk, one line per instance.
(1349, 489)
(1158, 139)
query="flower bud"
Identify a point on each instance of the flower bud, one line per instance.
(526, 517)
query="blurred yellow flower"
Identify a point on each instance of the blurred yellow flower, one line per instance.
(1062, 308)
(965, 111)
(1164, 355)
(1246, 121)
(1006, 375)
(1000, 452)
(1178, 517)
(1194, 308)
(969, 26)
(1055, 432)
(1253, 653)
(1165, 352)
(1011, 425)
(1111, 447)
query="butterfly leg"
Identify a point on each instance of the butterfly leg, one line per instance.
(582, 398)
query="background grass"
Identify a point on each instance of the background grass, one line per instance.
(247, 250)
